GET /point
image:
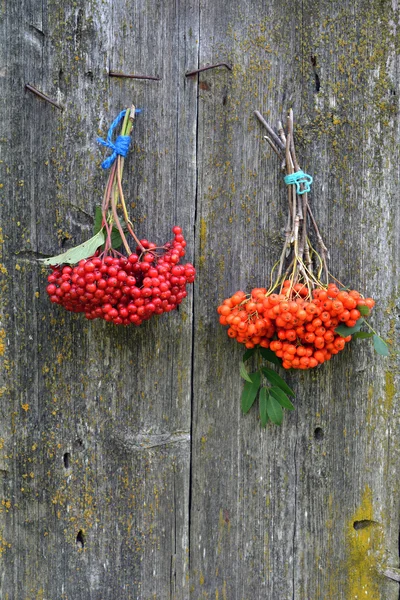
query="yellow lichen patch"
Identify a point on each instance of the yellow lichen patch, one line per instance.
(4, 545)
(365, 551)
(2, 342)
(203, 236)
(390, 391)
(25, 407)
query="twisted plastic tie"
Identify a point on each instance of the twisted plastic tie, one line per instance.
(298, 178)
(121, 144)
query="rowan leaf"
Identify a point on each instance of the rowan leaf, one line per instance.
(344, 331)
(363, 335)
(74, 255)
(98, 219)
(280, 395)
(250, 391)
(274, 410)
(277, 380)
(364, 310)
(244, 373)
(270, 356)
(380, 346)
(249, 353)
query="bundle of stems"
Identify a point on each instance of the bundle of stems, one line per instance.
(307, 265)
(114, 199)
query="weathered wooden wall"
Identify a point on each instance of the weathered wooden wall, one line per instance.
(127, 470)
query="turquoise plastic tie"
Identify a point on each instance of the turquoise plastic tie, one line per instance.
(298, 178)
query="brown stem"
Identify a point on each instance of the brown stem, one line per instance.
(271, 132)
(118, 223)
(126, 217)
(274, 148)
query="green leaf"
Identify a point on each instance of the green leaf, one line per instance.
(364, 310)
(263, 406)
(344, 331)
(277, 380)
(362, 335)
(74, 255)
(274, 410)
(116, 240)
(267, 354)
(380, 346)
(249, 353)
(98, 219)
(280, 395)
(244, 373)
(250, 392)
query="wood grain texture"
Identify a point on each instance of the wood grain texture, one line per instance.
(127, 469)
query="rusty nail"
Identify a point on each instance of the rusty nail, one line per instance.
(127, 76)
(43, 96)
(207, 69)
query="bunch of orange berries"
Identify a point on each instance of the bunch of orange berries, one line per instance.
(298, 327)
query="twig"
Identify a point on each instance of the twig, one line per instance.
(271, 132)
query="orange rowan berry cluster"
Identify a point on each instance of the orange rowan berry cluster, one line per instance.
(297, 327)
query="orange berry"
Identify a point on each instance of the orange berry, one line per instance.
(351, 323)
(349, 303)
(320, 331)
(355, 314)
(339, 343)
(329, 336)
(370, 302)
(337, 306)
(319, 356)
(291, 335)
(280, 322)
(301, 351)
(251, 330)
(332, 290)
(282, 334)
(342, 295)
(265, 343)
(232, 333)
(251, 307)
(304, 360)
(222, 320)
(313, 363)
(344, 315)
(319, 342)
(309, 337)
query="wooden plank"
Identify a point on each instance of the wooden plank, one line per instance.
(96, 418)
(308, 510)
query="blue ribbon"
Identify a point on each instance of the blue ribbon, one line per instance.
(298, 178)
(121, 144)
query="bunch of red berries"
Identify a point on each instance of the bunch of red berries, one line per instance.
(125, 290)
(297, 327)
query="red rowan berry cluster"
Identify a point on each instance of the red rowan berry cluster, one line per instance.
(125, 290)
(108, 285)
(298, 330)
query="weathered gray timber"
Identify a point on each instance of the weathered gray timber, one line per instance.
(127, 469)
